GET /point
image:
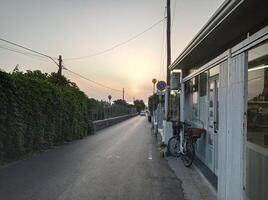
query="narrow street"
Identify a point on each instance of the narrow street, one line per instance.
(120, 162)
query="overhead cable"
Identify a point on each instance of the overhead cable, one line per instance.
(28, 49)
(117, 45)
(93, 81)
(24, 53)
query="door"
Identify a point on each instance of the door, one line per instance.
(213, 123)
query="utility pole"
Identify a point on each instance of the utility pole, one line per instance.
(168, 42)
(60, 67)
(123, 94)
(167, 106)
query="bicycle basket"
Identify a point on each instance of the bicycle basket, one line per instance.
(196, 132)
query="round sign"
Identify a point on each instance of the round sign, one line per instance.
(154, 81)
(161, 85)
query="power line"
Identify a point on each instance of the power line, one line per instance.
(173, 16)
(162, 61)
(24, 53)
(93, 89)
(119, 44)
(90, 80)
(162, 47)
(97, 83)
(28, 49)
(42, 55)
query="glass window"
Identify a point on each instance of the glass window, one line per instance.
(211, 94)
(203, 84)
(175, 105)
(194, 94)
(257, 124)
(258, 96)
(217, 85)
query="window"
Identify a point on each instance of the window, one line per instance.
(257, 124)
(203, 78)
(257, 120)
(194, 95)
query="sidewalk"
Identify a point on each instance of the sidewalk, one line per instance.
(195, 185)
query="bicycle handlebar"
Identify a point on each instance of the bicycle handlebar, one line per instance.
(186, 123)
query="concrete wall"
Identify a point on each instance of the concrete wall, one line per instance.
(101, 124)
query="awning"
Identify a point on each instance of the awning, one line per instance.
(231, 23)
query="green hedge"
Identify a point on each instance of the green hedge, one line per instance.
(36, 112)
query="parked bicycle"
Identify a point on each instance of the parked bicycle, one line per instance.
(182, 143)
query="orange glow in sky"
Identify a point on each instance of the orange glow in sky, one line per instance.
(81, 28)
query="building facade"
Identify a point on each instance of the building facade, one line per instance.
(225, 88)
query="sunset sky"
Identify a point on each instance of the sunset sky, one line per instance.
(77, 28)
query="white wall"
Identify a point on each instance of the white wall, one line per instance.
(222, 156)
(231, 133)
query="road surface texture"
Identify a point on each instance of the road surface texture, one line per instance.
(121, 163)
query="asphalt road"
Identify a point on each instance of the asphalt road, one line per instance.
(120, 163)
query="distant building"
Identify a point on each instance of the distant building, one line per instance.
(225, 84)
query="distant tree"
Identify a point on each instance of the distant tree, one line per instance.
(140, 105)
(120, 102)
(16, 69)
(37, 74)
(62, 80)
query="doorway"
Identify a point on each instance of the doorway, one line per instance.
(213, 123)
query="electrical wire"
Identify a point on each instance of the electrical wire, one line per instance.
(28, 49)
(35, 56)
(173, 16)
(163, 60)
(40, 58)
(92, 88)
(162, 47)
(117, 45)
(97, 83)
(93, 81)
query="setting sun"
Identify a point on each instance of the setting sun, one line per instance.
(135, 90)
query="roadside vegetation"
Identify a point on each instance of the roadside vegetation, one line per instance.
(39, 110)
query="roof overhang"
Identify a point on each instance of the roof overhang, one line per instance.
(230, 24)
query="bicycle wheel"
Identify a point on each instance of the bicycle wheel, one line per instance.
(188, 156)
(174, 146)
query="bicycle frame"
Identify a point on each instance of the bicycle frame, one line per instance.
(183, 134)
(182, 139)
(186, 136)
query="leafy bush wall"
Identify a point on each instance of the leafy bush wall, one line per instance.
(36, 112)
